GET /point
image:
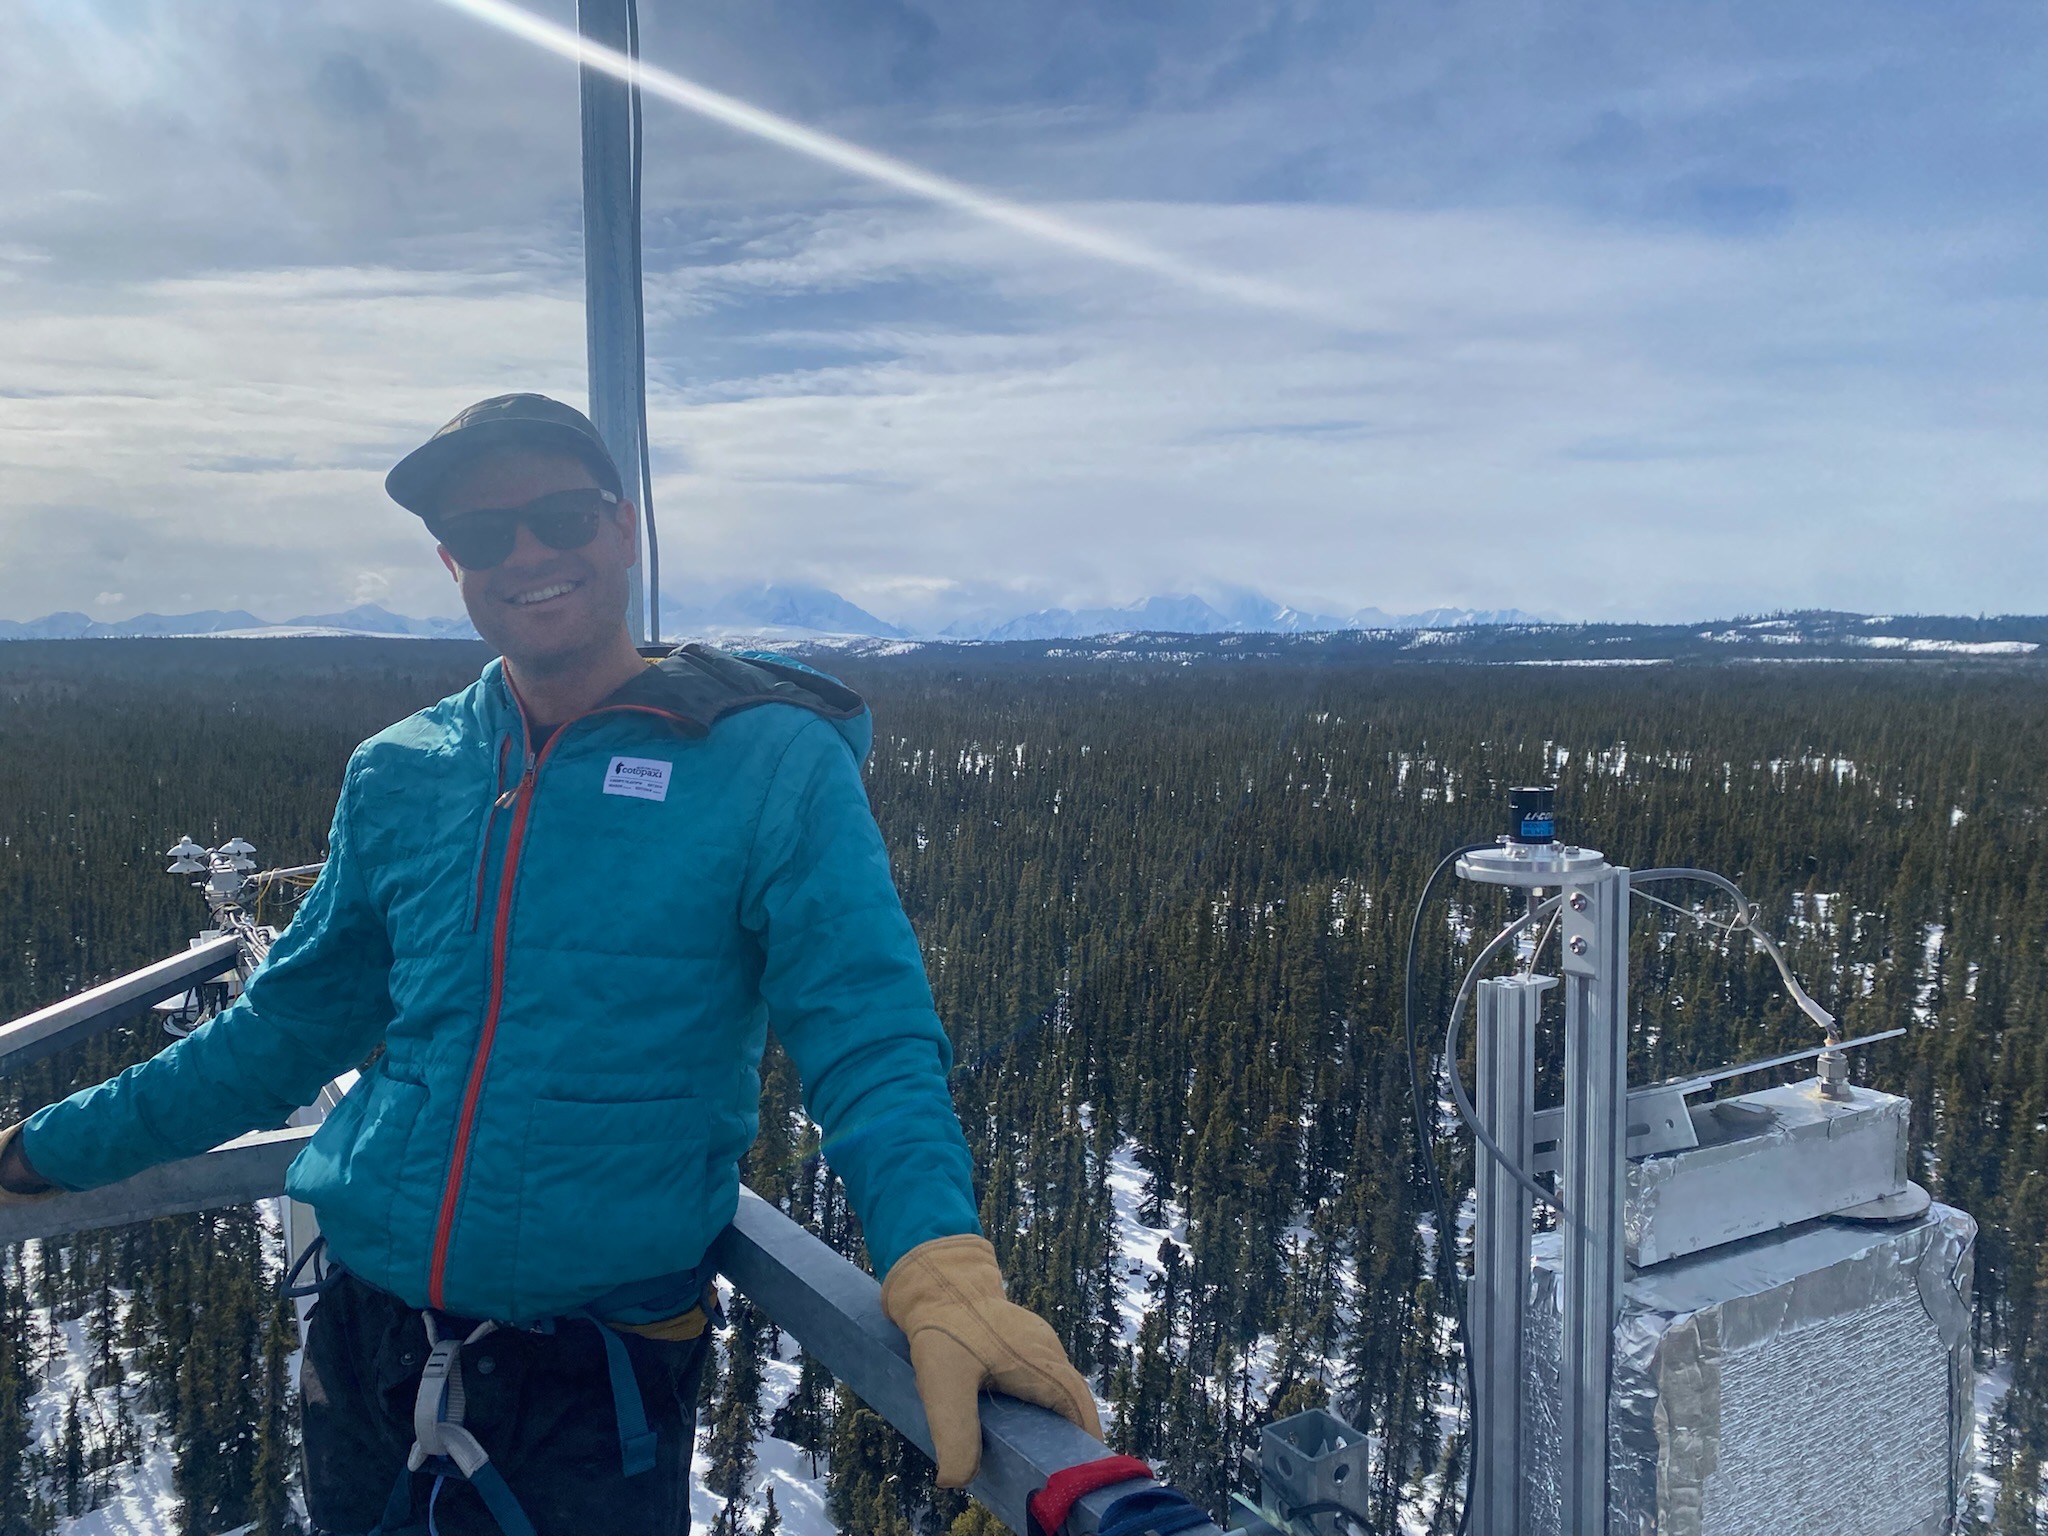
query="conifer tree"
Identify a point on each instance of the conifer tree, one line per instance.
(269, 1503)
(71, 1461)
(805, 1419)
(864, 1493)
(736, 1420)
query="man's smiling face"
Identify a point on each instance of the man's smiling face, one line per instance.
(545, 610)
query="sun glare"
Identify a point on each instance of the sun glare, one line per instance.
(1048, 228)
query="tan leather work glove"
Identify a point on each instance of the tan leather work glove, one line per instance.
(947, 1295)
(20, 1184)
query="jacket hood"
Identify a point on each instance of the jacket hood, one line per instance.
(701, 686)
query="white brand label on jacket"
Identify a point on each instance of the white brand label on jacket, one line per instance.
(641, 777)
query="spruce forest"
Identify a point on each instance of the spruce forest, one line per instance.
(1165, 910)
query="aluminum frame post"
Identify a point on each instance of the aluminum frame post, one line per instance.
(1595, 1148)
(611, 268)
(1507, 1012)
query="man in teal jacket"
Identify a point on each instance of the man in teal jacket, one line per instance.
(568, 903)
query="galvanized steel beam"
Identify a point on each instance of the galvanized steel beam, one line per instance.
(239, 1172)
(47, 1030)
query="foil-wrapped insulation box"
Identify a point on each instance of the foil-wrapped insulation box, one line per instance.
(1804, 1382)
(1765, 1160)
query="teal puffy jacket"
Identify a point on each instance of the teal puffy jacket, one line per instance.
(571, 957)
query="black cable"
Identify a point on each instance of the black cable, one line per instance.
(1466, 1112)
(1425, 1143)
(640, 338)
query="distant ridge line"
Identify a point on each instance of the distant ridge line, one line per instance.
(780, 610)
(1223, 624)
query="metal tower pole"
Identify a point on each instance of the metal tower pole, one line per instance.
(1595, 1149)
(1508, 1011)
(611, 262)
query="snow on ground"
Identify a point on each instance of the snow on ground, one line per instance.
(1599, 661)
(1945, 647)
(799, 1496)
(1137, 1245)
(1992, 1385)
(143, 1502)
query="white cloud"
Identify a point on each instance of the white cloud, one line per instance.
(251, 261)
(1516, 410)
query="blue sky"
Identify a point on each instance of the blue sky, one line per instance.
(1606, 310)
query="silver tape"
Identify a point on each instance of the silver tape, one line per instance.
(1806, 1382)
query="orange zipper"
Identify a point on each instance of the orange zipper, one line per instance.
(521, 796)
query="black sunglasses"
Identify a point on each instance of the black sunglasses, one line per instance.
(561, 520)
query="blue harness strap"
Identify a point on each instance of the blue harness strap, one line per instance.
(326, 1271)
(397, 1517)
(491, 1487)
(636, 1440)
(489, 1484)
(653, 1301)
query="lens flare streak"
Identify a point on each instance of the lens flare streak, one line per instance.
(1051, 229)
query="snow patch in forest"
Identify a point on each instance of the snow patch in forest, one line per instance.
(1137, 1245)
(1920, 647)
(143, 1500)
(800, 1494)
(1597, 661)
(1992, 1386)
(138, 1497)
(1932, 937)
(145, 1505)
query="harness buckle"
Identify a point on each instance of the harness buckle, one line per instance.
(437, 1411)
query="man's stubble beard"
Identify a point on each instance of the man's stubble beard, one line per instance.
(572, 650)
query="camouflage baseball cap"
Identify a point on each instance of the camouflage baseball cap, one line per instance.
(503, 421)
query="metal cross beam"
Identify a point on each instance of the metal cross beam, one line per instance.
(39, 1034)
(239, 1172)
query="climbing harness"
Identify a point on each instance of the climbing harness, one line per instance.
(443, 1446)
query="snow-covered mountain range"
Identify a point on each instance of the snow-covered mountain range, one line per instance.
(789, 611)
(365, 619)
(1243, 613)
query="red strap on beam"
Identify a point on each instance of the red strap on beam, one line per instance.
(1050, 1506)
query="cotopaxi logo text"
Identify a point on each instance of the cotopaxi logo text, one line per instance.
(642, 778)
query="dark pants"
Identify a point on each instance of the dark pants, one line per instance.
(540, 1404)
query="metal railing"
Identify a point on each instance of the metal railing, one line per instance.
(831, 1307)
(36, 1035)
